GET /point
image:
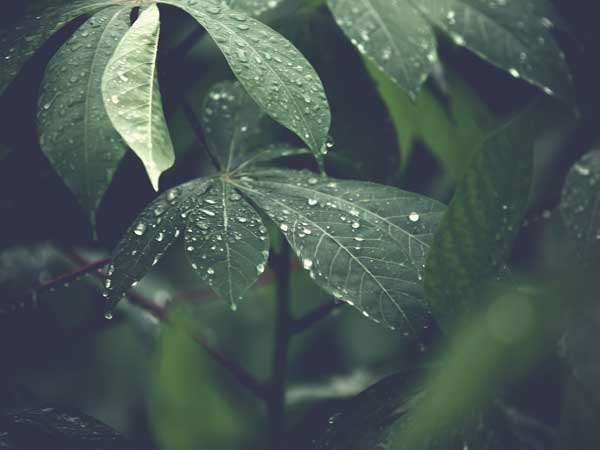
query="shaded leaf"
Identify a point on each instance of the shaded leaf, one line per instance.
(228, 243)
(271, 69)
(21, 41)
(393, 34)
(132, 95)
(57, 428)
(253, 7)
(363, 243)
(514, 35)
(4, 151)
(451, 132)
(477, 233)
(580, 206)
(75, 131)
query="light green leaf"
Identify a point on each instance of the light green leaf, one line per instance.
(451, 132)
(253, 7)
(23, 39)
(514, 35)
(132, 95)
(271, 69)
(364, 243)
(393, 34)
(75, 131)
(580, 206)
(228, 244)
(477, 233)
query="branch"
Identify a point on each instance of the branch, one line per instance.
(303, 323)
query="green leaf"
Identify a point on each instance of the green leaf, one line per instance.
(254, 8)
(580, 206)
(393, 34)
(75, 131)
(451, 132)
(50, 427)
(225, 239)
(363, 243)
(234, 126)
(132, 95)
(271, 69)
(477, 233)
(228, 244)
(23, 39)
(516, 36)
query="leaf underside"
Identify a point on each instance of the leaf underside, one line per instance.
(75, 131)
(516, 36)
(132, 95)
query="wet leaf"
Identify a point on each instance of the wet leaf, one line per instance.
(580, 206)
(271, 69)
(516, 36)
(253, 7)
(477, 233)
(75, 131)
(364, 243)
(132, 95)
(22, 40)
(56, 428)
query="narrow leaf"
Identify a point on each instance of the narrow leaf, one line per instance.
(477, 233)
(580, 206)
(364, 243)
(394, 35)
(227, 242)
(22, 40)
(271, 69)
(132, 95)
(75, 131)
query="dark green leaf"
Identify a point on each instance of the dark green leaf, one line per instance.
(253, 7)
(22, 40)
(271, 69)
(132, 96)
(580, 206)
(364, 243)
(75, 131)
(53, 428)
(477, 233)
(514, 35)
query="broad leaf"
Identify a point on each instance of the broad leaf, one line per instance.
(20, 42)
(132, 96)
(253, 7)
(228, 244)
(364, 243)
(393, 34)
(477, 233)
(271, 69)
(225, 239)
(56, 428)
(75, 131)
(514, 35)
(450, 131)
(580, 203)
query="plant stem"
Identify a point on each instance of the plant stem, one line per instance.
(280, 265)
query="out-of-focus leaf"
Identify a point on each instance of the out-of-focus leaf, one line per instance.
(253, 7)
(75, 131)
(53, 428)
(186, 408)
(477, 233)
(4, 151)
(271, 69)
(580, 206)
(362, 242)
(132, 96)
(398, 36)
(22, 40)
(451, 132)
